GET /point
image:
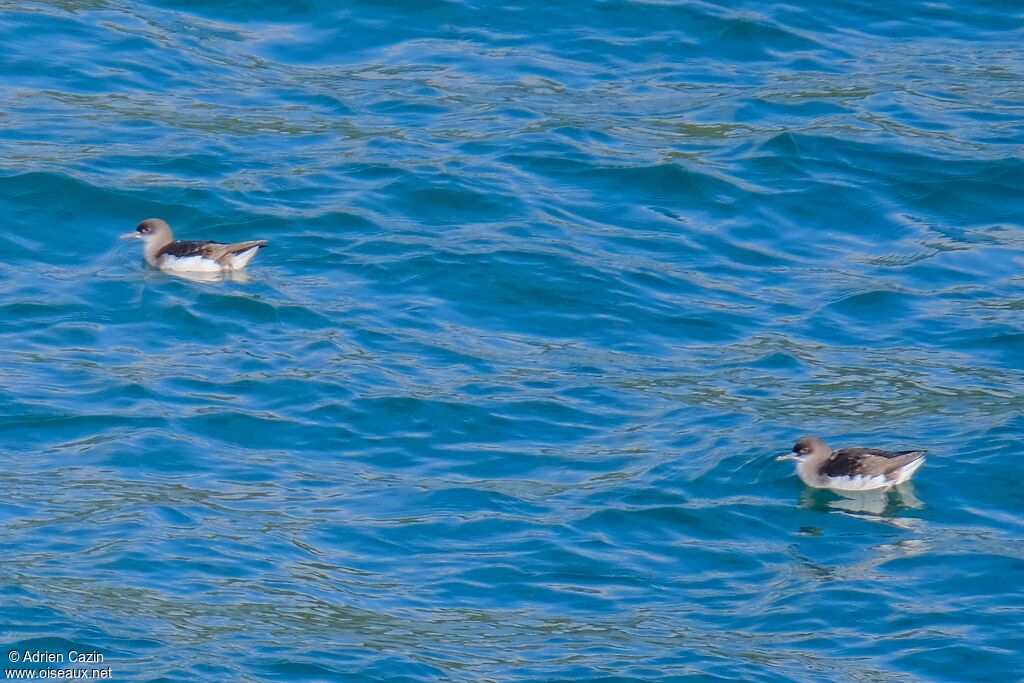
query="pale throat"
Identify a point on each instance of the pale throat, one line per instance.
(153, 244)
(807, 468)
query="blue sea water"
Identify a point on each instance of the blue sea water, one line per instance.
(548, 286)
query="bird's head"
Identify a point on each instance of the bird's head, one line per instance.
(803, 449)
(149, 230)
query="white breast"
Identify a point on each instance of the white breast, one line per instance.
(858, 483)
(189, 264)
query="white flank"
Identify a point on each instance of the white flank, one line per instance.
(908, 471)
(860, 483)
(239, 260)
(189, 264)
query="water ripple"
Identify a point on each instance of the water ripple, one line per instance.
(547, 287)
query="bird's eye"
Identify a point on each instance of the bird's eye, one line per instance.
(143, 229)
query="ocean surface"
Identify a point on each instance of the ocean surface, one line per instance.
(548, 287)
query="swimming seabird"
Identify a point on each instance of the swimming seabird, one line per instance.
(851, 469)
(164, 252)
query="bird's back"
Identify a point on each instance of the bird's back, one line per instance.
(868, 462)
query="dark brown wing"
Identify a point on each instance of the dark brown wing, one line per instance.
(215, 251)
(870, 462)
(187, 248)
